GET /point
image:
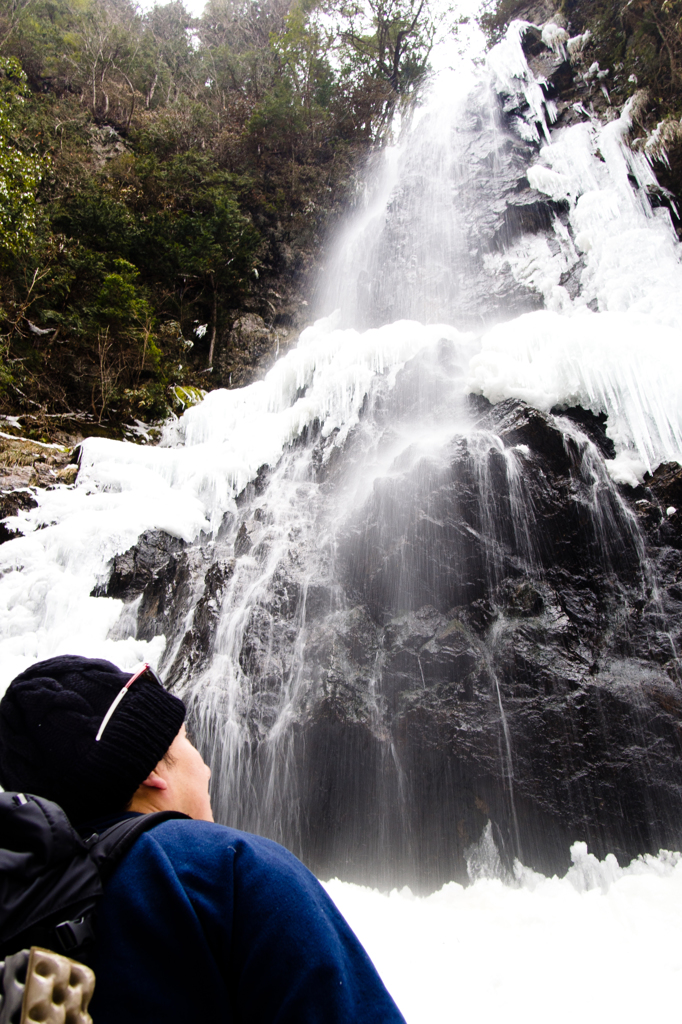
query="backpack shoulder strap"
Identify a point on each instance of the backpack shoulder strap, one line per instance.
(108, 848)
(105, 852)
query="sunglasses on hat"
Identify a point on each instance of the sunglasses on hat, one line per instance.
(147, 671)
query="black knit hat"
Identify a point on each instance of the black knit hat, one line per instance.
(49, 718)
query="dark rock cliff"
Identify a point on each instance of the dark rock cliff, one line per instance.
(495, 638)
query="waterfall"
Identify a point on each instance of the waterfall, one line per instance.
(415, 585)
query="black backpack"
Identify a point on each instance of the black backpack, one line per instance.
(50, 878)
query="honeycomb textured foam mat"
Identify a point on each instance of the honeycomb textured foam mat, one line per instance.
(12, 986)
(42, 987)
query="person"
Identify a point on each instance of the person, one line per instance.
(199, 921)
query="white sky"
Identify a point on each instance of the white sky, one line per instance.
(194, 7)
(467, 7)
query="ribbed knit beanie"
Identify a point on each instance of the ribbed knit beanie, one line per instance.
(49, 717)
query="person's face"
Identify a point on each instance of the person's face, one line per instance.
(187, 778)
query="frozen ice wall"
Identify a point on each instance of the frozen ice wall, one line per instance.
(624, 364)
(446, 232)
(613, 347)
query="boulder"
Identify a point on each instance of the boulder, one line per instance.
(11, 503)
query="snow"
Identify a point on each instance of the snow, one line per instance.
(209, 455)
(627, 468)
(333, 367)
(28, 440)
(536, 265)
(633, 256)
(601, 944)
(624, 360)
(592, 71)
(632, 253)
(576, 44)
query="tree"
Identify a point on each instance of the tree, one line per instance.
(20, 171)
(177, 67)
(662, 21)
(388, 41)
(236, 137)
(302, 49)
(197, 238)
(235, 38)
(104, 52)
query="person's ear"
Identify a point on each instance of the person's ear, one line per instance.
(155, 781)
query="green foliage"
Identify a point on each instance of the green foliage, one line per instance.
(20, 171)
(118, 303)
(644, 39)
(184, 397)
(159, 172)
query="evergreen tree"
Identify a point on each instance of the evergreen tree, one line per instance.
(20, 170)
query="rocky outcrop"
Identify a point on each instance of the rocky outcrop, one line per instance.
(542, 683)
(443, 267)
(106, 144)
(138, 569)
(408, 262)
(614, 56)
(24, 466)
(248, 349)
(11, 503)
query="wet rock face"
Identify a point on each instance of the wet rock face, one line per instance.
(535, 669)
(492, 635)
(139, 568)
(450, 266)
(518, 490)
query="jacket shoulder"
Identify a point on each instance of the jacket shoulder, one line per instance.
(188, 837)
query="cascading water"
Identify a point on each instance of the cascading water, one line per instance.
(444, 202)
(426, 627)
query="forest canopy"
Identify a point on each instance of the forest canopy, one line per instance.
(162, 174)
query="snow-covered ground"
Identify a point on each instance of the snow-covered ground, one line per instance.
(549, 951)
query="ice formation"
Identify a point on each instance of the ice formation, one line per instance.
(555, 38)
(510, 74)
(182, 488)
(623, 359)
(576, 44)
(616, 363)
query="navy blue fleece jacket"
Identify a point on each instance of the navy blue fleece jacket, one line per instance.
(204, 923)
